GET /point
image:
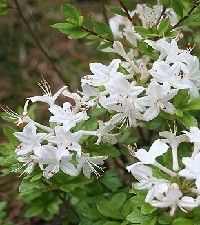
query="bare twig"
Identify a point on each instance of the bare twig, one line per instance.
(36, 40)
(125, 9)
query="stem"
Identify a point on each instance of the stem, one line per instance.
(163, 11)
(89, 133)
(164, 169)
(175, 159)
(104, 12)
(36, 40)
(45, 128)
(186, 16)
(126, 10)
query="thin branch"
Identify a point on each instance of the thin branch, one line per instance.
(104, 11)
(186, 16)
(161, 15)
(125, 9)
(36, 40)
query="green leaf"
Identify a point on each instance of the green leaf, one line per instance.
(118, 200)
(112, 223)
(165, 219)
(177, 7)
(111, 180)
(182, 221)
(181, 99)
(188, 120)
(194, 104)
(136, 217)
(163, 26)
(73, 31)
(36, 177)
(147, 209)
(101, 28)
(165, 2)
(34, 210)
(108, 210)
(116, 10)
(150, 220)
(142, 31)
(72, 14)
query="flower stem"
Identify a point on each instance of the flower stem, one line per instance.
(164, 169)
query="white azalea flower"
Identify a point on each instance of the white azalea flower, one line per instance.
(178, 75)
(170, 199)
(173, 141)
(54, 159)
(156, 187)
(90, 165)
(192, 169)
(66, 140)
(66, 115)
(194, 136)
(47, 96)
(102, 74)
(157, 99)
(103, 133)
(170, 51)
(29, 139)
(149, 16)
(123, 100)
(157, 149)
(187, 203)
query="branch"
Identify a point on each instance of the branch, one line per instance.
(36, 40)
(125, 9)
(186, 16)
(104, 11)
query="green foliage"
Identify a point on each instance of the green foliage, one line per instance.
(4, 6)
(177, 7)
(3, 215)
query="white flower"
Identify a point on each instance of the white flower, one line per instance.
(90, 165)
(121, 25)
(157, 99)
(47, 96)
(170, 51)
(170, 199)
(103, 133)
(28, 162)
(66, 116)
(157, 149)
(54, 159)
(123, 100)
(102, 74)
(156, 187)
(187, 203)
(149, 16)
(194, 136)
(192, 169)
(29, 139)
(66, 140)
(174, 142)
(178, 75)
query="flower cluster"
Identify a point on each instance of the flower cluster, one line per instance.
(133, 90)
